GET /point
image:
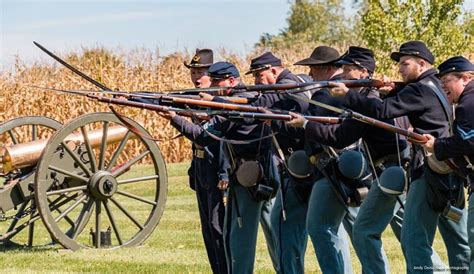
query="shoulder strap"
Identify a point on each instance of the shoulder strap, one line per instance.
(308, 92)
(444, 102)
(449, 115)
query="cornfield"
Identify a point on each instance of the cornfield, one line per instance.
(133, 70)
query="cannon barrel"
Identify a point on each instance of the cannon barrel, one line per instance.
(27, 154)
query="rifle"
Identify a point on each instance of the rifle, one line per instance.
(147, 95)
(185, 112)
(108, 90)
(297, 87)
(281, 117)
(412, 136)
(210, 104)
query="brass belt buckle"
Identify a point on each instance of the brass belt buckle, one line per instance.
(199, 153)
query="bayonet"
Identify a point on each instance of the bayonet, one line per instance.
(73, 69)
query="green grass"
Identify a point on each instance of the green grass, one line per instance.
(176, 245)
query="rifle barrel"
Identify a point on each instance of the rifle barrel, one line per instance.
(282, 117)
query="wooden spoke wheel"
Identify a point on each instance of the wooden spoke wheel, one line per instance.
(17, 225)
(114, 202)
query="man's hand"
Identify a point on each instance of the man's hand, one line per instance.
(168, 115)
(297, 120)
(387, 87)
(223, 185)
(338, 89)
(206, 96)
(429, 145)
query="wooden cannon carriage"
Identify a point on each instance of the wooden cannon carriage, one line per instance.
(81, 179)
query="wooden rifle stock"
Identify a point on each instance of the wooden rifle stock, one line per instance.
(154, 107)
(233, 99)
(210, 104)
(412, 136)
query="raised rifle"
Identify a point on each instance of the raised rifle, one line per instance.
(209, 104)
(105, 89)
(294, 87)
(281, 117)
(152, 98)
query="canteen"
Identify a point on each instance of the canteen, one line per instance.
(393, 180)
(299, 165)
(249, 173)
(352, 164)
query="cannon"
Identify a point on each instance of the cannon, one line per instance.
(81, 180)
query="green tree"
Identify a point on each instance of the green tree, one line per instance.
(442, 25)
(313, 21)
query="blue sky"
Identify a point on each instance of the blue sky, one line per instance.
(178, 25)
(170, 25)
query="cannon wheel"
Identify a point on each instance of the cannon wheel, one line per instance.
(127, 201)
(15, 131)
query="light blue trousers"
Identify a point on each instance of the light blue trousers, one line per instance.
(470, 231)
(324, 218)
(418, 231)
(241, 241)
(290, 234)
(265, 221)
(376, 212)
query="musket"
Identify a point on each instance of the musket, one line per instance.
(281, 117)
(195, 92)
(209, 104)
(295, 87)
(185, 112)
(232, 99)
(73, 69)
(147, 95)
(412, 136)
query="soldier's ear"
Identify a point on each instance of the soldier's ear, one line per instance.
(423, 63)
(365, 72)
(274, 70)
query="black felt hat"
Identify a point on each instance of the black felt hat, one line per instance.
(321, 55)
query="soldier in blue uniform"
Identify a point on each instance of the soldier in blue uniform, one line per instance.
(198, 67)
(290, 234)
(326, 210)
(244, 204)
(203, 173)
(456, 75)
(322, 67)
(422, 100)
(288, 238)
